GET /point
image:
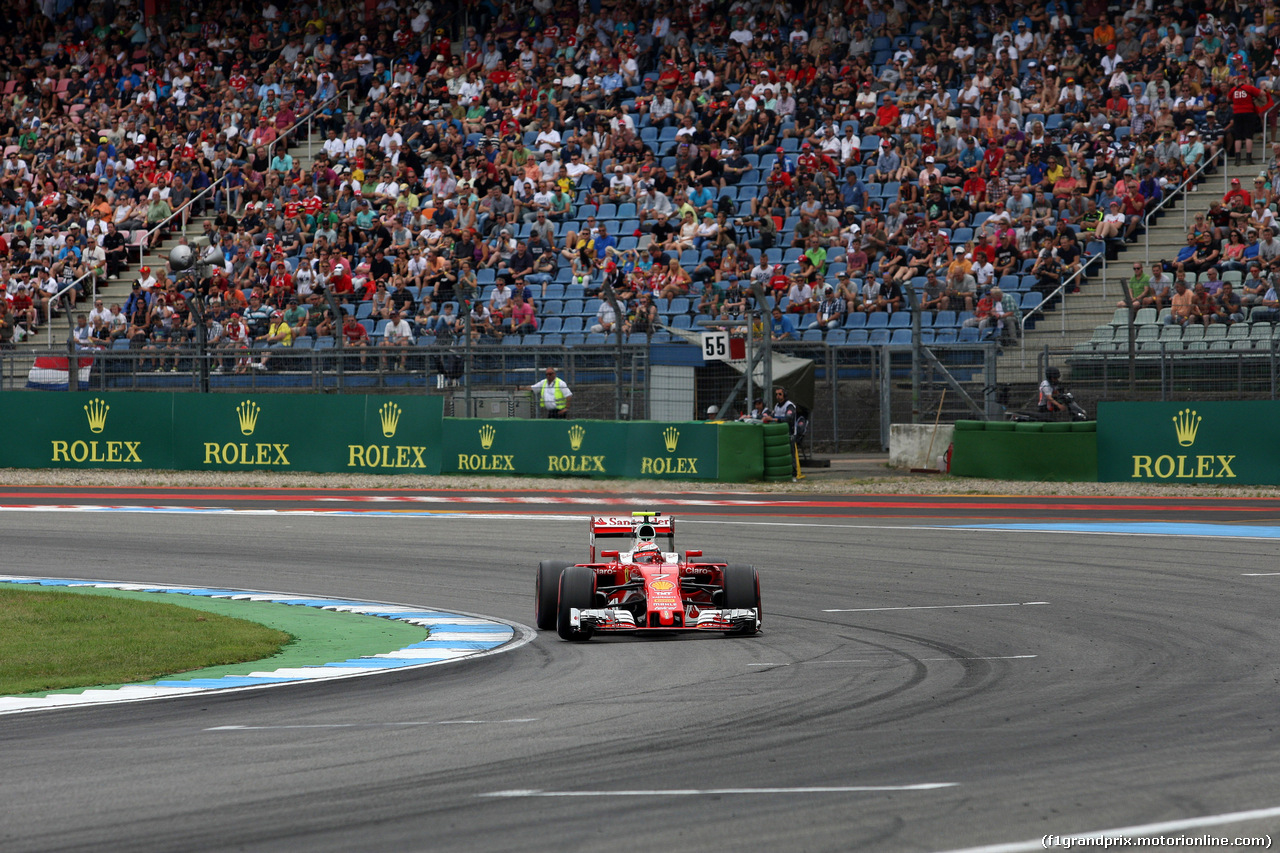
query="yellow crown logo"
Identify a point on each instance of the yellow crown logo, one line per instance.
(487, 434)
(1185, 423)
(671, 437)
(390, 414)
(97, 412)
(576, 434)
(248, 412)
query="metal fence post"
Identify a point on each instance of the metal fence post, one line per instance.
(886, 389)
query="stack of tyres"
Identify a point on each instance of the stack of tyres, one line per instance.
(779, 461)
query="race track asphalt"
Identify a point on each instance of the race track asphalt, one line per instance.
(914, 689)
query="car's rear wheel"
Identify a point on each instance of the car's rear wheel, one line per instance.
(577, 589)
(742, 592)
(546, 591)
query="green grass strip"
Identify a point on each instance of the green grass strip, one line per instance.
(319, 636)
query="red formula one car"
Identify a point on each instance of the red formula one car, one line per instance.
(636, 581)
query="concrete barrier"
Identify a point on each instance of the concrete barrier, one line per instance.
(909, 444)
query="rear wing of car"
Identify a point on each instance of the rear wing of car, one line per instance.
(632, 523)
(612, 529)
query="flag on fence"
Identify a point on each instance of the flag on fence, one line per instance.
(49, 373)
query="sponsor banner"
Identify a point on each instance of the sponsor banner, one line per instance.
(643, 449)
(223, 432)
(1188, 442)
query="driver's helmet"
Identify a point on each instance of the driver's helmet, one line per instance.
(647, 552)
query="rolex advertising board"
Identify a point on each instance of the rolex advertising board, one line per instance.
(1188, 442)
(224, 432)
(685, 451)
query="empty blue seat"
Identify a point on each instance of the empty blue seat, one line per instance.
(878, 320)
(878, 337)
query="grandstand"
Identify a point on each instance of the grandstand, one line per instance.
(1034, 148)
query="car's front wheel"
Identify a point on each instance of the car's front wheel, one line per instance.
(577, 590)
(742, 592)
(546, 591)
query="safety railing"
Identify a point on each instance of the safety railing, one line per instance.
(1176, 193)
(183, 213)
(59, 297)
(1060, 291)
(1264, 117)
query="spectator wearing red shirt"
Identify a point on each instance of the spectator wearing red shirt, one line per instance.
(887, 116)
(670, 76)
(1135, 206)
(355, 335)
(343, 288)
(1247, 101)
(1237, 192)
(975, 190)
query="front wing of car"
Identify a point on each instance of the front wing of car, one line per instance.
(618, 620)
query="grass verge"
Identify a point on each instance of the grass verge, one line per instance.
(52, 640)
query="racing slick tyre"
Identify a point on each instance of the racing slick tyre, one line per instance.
(577, 589)
(742, 592)
(546, 591)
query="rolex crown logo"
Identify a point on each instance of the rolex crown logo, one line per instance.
(248, 412)
(576, 434)
(1185, 424)
(487, 434)
(390, 414)
(97, 412)
(671, 437)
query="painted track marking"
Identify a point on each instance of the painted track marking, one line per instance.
(715, 792)
(374, 725)
(452, 636)
(897, 662)
(933, 607)
(1145, 829)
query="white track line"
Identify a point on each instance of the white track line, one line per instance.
(373, 725)
(702, 792)
(1258, 574)
(577, 519)
(895, 661)
(1145, 829)
(934, 607)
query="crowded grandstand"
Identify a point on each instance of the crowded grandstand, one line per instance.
(557, 174)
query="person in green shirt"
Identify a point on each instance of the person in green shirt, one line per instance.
(1140, 292)
(295, 316)
(817, 254)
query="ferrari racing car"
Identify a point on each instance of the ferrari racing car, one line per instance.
(635, 580)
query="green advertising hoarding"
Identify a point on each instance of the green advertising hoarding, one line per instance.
(1188, 442)
(224, 432)
(686, 451)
